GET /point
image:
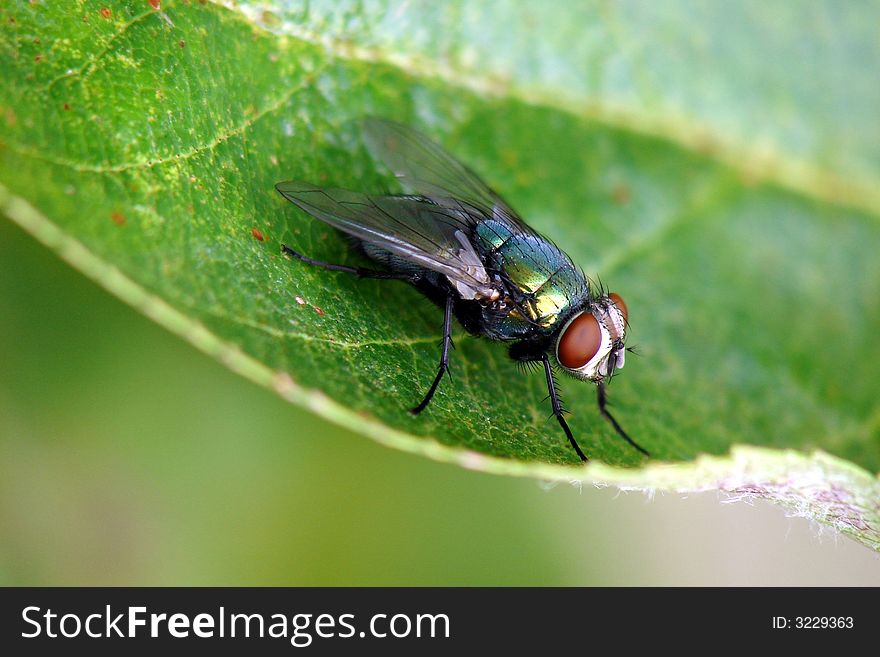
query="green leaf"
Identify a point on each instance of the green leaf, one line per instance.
(717, 165)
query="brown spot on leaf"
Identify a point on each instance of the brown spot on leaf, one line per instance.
(300, 300)
(66, 107)
(155, 4)
(11, 118)
(620, 194)
(181, 43)
(319, 311)
(749, 177)
(270, 19)
(705, 143)
(38, 58)
(258, 235)
(106, 13)
(118, 218)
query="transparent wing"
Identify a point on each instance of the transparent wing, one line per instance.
(431, 235)
(424, 168)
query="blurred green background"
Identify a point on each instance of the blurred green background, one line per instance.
(129, 458)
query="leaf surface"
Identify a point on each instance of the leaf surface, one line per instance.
(717, 167)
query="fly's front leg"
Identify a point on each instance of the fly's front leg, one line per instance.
(556, 403)
(531, 354)
(444, 357)
(360, 272)
(603, 401)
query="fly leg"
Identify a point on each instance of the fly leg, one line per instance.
(360, 272)
(603, 401)
(444, 357)
(558, 411)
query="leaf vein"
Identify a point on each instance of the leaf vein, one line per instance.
(85, 70)
(221, 137)
(749, 161)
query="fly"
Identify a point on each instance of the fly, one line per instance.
(463, 247)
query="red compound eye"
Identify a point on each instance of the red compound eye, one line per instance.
(579, 341)
(618, 301)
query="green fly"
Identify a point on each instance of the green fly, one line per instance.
(465, 249)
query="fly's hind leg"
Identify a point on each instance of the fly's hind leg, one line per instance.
(444, 357)
(360, 272)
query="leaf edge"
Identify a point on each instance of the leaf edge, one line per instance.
(814, 485)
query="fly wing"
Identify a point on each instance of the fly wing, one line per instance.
(430, 235)
(423, 167)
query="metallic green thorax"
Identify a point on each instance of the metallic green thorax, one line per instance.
(551, 284)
